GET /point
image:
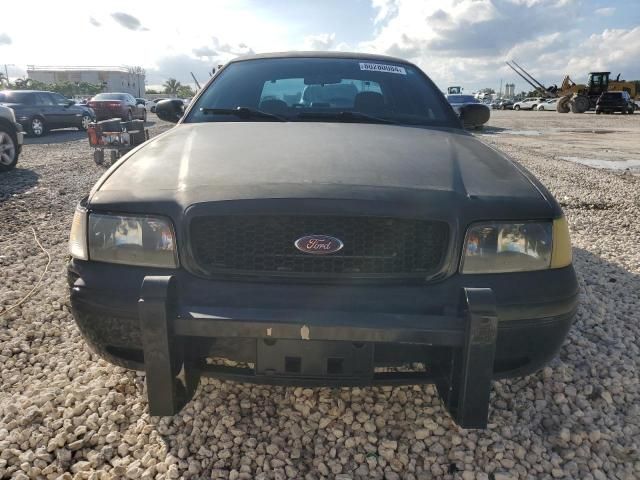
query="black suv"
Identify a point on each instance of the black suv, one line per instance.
(39, 111)
(322, 235)
(610, 102)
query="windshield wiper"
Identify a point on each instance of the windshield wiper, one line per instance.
(244, 112)
(346, 116)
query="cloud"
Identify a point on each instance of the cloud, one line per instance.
(605, 12)
(387, 9)
(94, 22)
(128, 21)
(224, 51)
(467, 41)
(179, 67)
(323, 41)
(204, 52)
(5, 39)
(439, 16)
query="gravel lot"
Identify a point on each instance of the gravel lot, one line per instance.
(64, 413)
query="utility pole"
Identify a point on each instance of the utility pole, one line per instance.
(500, 93)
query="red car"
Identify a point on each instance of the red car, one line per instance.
(117, 105)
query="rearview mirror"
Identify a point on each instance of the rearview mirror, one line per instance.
(170, 110)
(324, 79)
(474, 114)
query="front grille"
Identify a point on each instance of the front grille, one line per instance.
(373, 246)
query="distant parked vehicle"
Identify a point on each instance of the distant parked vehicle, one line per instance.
(117, 105)
(548, 105)
(528, 103)
(39, 111)
(505, 105)
(611, 102)
(10, 139)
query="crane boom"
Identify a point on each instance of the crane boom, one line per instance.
(521, 75)
(531, 81)
(529, 75)
(195, 80)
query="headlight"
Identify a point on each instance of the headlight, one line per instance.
(132, 240)
(499, 247)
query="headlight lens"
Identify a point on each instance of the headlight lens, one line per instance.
(132, 240)
(499, 247)
(78, 236)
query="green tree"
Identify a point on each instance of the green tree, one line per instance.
(185, 91)
(151, 91)
(68, 89)
(172, 86)
(24, 84)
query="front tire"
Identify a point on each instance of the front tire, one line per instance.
(8, 151)
(37, 127)
(541, 108)
(84, 123)
(580, 104)
(517, 107)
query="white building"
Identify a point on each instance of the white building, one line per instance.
(113, 79)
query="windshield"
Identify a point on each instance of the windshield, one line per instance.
(323, 89)
(462, 99)
(109, 96)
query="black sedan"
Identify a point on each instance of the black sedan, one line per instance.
(40, 111)
(320, 242)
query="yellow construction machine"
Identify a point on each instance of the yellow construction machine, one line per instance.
(576, 97)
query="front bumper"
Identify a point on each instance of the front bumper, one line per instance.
(523, 320)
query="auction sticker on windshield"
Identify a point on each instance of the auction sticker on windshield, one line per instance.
(381, 67)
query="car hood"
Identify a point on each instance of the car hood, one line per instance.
(208, 162)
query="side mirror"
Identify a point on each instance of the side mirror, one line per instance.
(474, 114)
(170, 110)
(70, 103)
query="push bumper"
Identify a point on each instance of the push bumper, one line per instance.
(463, 344)
(464, 384)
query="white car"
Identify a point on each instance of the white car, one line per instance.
(528, 103)
(548, 105)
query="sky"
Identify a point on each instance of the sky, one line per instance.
(456, 42)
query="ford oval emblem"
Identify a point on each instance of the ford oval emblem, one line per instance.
(319, 244)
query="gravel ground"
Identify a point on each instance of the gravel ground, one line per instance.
(64, 413)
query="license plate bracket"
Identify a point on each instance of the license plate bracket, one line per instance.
(314, 359)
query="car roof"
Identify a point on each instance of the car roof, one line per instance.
(27, 91)
(317, 54)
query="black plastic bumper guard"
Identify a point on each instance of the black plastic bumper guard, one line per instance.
(464, 385)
